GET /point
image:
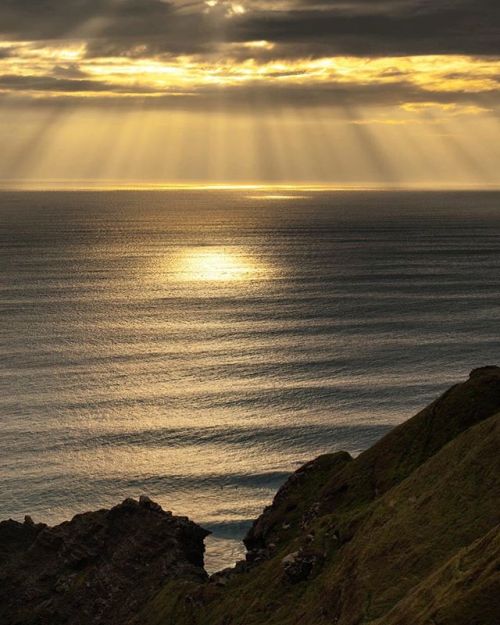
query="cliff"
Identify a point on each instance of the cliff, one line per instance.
(406, 533)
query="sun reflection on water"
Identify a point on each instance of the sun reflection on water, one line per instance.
(210, 264)
(277, 197)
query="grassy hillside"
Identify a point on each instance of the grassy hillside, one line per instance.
(408, 532)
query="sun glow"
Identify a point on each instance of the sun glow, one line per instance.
(237, 66)
(277, 196)
(216, 265)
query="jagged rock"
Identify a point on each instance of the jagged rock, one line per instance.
(256, 555)
(99, 568)
(147, 502)
(221, 578)
(298, 566)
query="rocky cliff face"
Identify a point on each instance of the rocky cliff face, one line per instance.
(406, 533)
(101, 567)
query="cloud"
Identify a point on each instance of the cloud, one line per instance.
(64, 71)
(324, 27)
(460, 27)
(176, 53)
(251, 97)
(53, 19)
(59, 86)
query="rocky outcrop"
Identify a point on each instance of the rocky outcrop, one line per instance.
(101, 567)
(295, 503)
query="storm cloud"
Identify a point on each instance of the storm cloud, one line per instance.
(258, 51)
(325, 27)
(403, 28)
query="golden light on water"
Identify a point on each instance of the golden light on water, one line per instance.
(277, 196)
(213, 264)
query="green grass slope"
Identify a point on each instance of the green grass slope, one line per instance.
(464, 591)
(407, 533)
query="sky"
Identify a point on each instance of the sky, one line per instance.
(326, 92)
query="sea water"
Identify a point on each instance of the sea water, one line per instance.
(198, 346)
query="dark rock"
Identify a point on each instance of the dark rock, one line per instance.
(298, 566)
(99, 568)
(146, 502)
(221, 578)
(484, 371)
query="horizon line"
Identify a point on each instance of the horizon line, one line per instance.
(115, 185)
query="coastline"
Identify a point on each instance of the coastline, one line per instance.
(426, 494)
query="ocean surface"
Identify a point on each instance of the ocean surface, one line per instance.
(198, 346)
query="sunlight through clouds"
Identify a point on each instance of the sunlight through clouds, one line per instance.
(247, 91)
(154, 77)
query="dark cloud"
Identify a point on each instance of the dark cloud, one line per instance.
(460, 27)
(269, 96)
(69, 70)
(114, 27)
(308, 27)
(298, 28)
(53, 19)
(51, 84)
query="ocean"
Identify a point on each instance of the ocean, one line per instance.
(197, 346)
